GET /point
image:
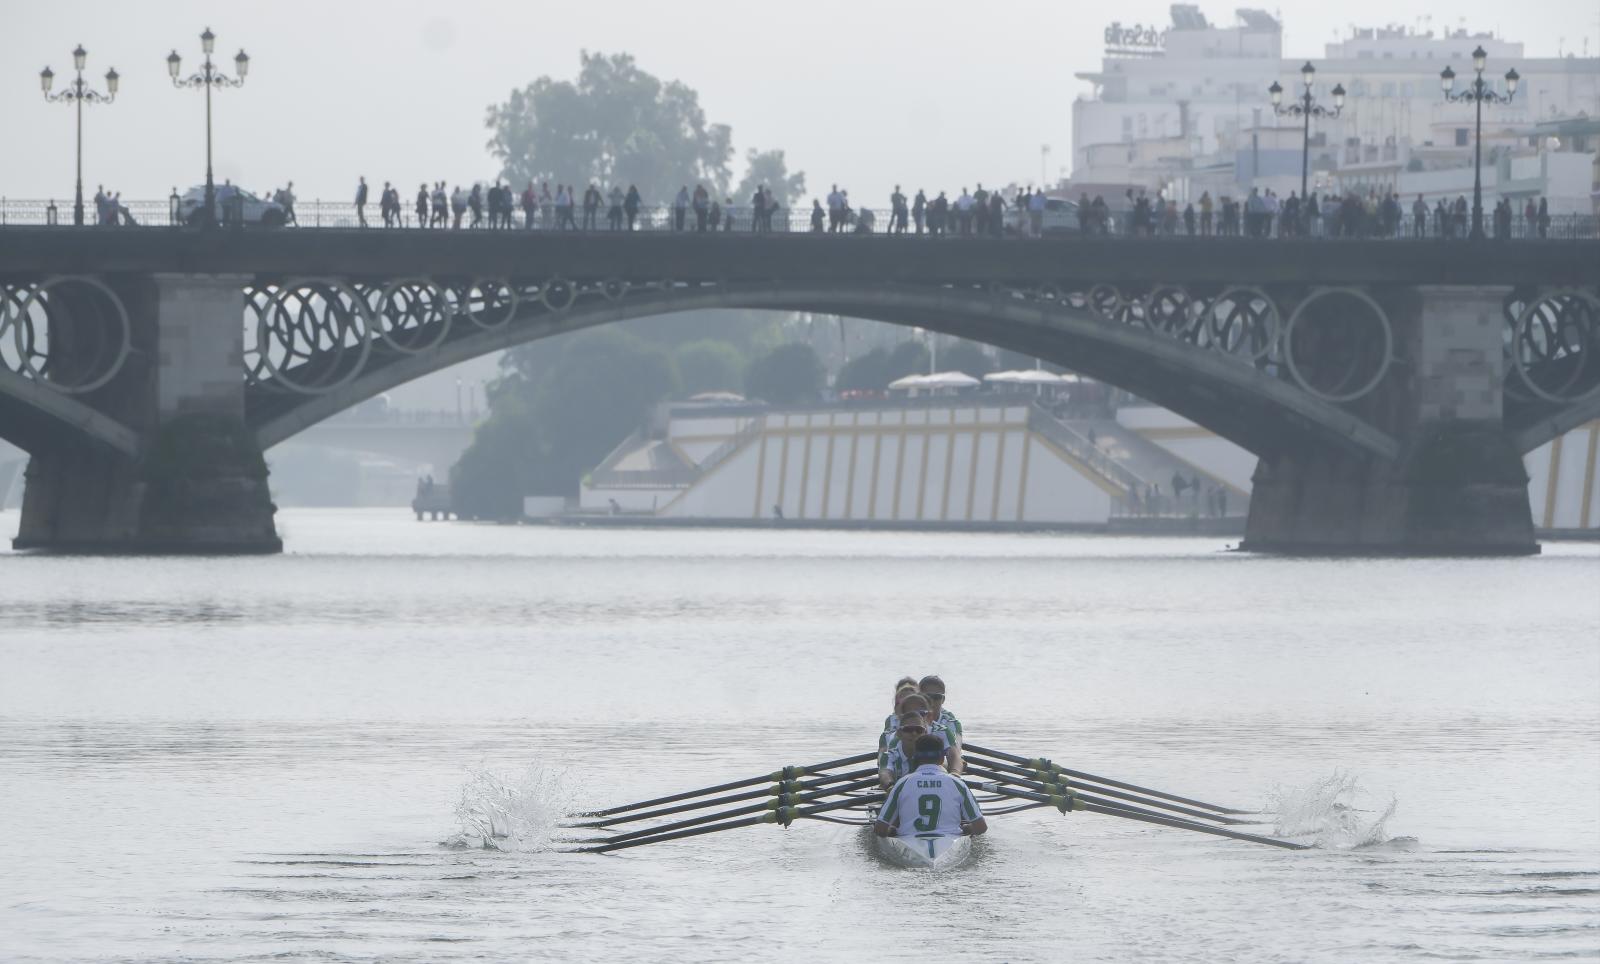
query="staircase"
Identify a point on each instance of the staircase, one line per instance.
(1153, 464)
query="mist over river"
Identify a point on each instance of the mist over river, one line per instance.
(283, 757)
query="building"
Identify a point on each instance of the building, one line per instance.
(1186, 109)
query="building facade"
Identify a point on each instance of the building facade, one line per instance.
(1187, 109)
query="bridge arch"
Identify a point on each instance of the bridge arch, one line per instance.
(1262, 413)
(34, 417)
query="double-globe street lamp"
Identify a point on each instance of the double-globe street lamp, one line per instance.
(208, 77)
(79, 94)
(1479, 93)
(1305, 106)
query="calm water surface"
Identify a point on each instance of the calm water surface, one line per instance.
(238, 759)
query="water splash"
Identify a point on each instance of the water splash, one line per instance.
(1335, 812)
(509, 810)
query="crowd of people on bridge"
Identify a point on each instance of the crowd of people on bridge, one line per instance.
(1263, 214)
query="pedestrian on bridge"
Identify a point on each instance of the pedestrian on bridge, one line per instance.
(614, 211)
(458, 207)
(361, 203)
(630, 205)
(530, 204)
(919, 209)
(422, 205)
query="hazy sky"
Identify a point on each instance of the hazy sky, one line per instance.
(866, 92)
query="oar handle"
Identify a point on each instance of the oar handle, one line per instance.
(784, 817)
(772, 790)
(1076, 801)
(787, 773)
(1052, 786)
(783, 800)
(1040, 763)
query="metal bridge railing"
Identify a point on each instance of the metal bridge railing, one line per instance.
(663, 219)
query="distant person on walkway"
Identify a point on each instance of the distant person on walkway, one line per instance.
(919, 209)
(777, 512)
(285, 199)
(475, 205)
(614, 211)
(422, 205)
(897, 212)
(1419, 218)
(630, 205)
(591, 207)
(441, 207)
(680, 208)
(458, 206)
(1544, 217)
(818, 216)
(1036, 206)
(361, 203)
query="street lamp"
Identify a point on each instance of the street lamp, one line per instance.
(208, 77)
(1305, 106)
(78, 95)
(1479, 94)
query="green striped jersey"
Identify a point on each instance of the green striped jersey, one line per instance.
(896, 758)
(928, 802)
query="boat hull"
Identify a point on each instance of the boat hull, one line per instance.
(925, 853)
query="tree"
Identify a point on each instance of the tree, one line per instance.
(968, 357)
(910, 357)
(768, 168)
(868, 372)
(616, 125)
(555, 416)
(708, 365)
(785, 376)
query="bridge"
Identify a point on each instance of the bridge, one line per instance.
(1387, 387)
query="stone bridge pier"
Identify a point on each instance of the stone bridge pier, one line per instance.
(1456, 483)
(149, 451)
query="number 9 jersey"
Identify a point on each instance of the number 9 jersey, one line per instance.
(929, 802)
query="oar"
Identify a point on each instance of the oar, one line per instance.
(1054, 787)
(784, 816)
(787, 773)
(773, 790)
(1077, 801)
(784, 800)
(1042, 764)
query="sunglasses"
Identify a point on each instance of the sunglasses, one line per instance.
(933, 697)
(913, 729)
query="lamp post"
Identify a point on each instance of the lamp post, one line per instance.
(207, 78)
(79, 94)
(1305, 106)
(1479, 94)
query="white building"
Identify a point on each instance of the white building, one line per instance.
(1199, 92)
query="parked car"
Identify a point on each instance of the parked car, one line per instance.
(231, 201)
(1060, 217)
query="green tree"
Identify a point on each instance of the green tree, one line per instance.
(616, 125)
(968, 357)
(769, 168)
(544, 432)
(787, 375)
(709, 365)
(910, 357)
(868, 372)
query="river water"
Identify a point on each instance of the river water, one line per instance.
(238, 759)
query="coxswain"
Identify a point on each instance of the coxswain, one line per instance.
(929, 801)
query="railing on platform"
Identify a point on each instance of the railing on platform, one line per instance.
(1085, 451)
(664, 219)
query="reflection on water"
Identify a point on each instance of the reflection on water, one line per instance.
(211, 758)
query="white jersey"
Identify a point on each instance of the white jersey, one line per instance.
(896, 757)
(928, 802)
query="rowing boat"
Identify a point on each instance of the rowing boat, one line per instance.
(924, 853)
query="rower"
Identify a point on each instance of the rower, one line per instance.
(932, 689)
(900, 693)
(894, 758)
(918, 706)
(929, 802)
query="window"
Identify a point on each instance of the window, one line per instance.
(1461, 137)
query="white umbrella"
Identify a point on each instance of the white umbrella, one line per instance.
(910, 381)
(949, 380)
